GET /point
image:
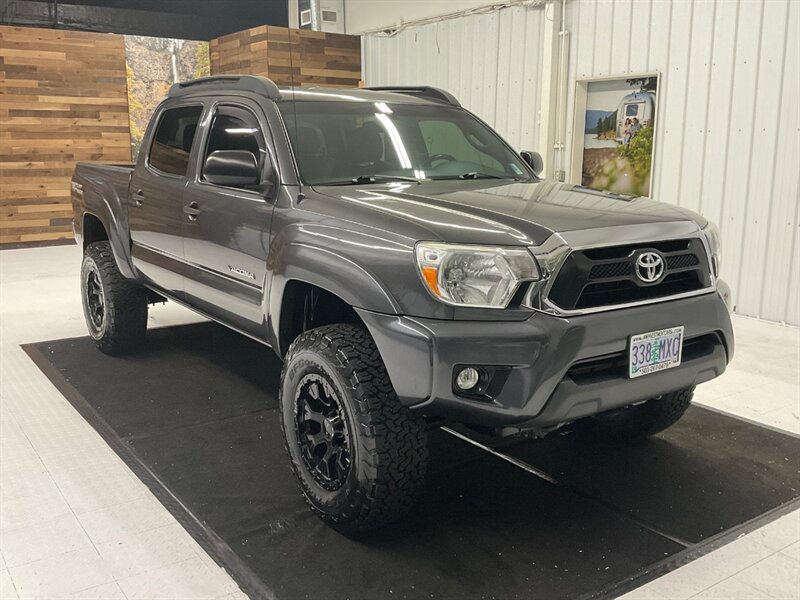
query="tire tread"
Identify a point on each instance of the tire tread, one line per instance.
(393, 439)
(126, 304)
(644, 420)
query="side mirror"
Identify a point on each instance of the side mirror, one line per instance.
(534, 160)
(232, 168)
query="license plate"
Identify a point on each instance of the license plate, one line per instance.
(655, 351)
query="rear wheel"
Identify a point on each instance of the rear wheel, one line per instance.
(115, 308)
(643, 420)
(359, 455)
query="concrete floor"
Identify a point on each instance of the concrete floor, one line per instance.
(76, 523)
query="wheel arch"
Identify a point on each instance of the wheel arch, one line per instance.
(306, 306)
(302, 272)
(95, 229)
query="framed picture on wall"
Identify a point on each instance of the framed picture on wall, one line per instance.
(614, 133)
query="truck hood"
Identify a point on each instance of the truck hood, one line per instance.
(496, 213)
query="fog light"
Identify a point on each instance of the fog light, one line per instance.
(467, 378)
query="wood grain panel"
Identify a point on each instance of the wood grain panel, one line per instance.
(290, 56)
(63, 99)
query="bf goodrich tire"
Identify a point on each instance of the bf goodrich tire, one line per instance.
(115, 308)
(359, 455)
(643, 420)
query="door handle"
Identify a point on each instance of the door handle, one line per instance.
(192, 210)
(138, 197)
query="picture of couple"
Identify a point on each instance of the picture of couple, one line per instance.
(619, 123)
(630, 129)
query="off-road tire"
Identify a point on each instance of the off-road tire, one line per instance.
(388, 442)
(125, 303)
(643, 420)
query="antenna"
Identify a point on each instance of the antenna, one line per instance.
(296, 144)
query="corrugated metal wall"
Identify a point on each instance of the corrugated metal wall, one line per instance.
(728, 125)
(490, 62)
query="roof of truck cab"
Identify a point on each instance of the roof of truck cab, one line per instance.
(225, 84)
(288, 95)
(321, 94)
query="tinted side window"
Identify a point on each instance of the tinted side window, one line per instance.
(173, 140)
(236, 129)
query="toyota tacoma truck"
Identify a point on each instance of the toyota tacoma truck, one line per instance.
(410, 269)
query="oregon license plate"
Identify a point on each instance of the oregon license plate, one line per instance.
(655, 351)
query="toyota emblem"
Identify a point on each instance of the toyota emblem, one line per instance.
(649, 267)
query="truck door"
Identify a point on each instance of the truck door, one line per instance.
(226, 228)
(155, 199)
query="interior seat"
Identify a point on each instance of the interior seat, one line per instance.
(312, 153)
(365, 147)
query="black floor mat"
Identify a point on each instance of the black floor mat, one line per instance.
(194, 416)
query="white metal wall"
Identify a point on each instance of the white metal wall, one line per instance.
(728, 124)
(490, 62)
(371, 15)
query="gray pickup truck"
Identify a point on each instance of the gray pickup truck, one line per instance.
(409, 267)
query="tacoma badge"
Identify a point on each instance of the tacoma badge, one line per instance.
(241, 272)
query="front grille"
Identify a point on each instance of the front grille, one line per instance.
(610, 270)
(615, 366)
(682, 261)
(606, 276)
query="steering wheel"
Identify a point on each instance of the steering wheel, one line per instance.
(441, 156)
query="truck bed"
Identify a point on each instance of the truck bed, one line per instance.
(110, 181)
(116, 172)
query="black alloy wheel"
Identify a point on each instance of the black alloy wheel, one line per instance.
(358, 453)
(95, 300)
(322, 432)
(115, 308)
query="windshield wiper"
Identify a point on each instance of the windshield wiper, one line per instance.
(476, 175)
(376, 178)
(372, 179)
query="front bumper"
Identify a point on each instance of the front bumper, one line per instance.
(420, 355)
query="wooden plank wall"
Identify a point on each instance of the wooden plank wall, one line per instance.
(290, 56)
(63, 99)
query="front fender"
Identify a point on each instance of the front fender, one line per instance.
(333, 272)
(297, 255)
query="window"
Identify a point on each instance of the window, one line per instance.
(235, 128)
(336, 142)
(173, 140)
(445, 139)
(632, 110)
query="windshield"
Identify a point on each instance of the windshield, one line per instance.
(339, 143)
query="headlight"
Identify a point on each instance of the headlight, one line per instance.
(483, 276)
(714, 245)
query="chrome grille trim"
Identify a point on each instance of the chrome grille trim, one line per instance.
(553, 253)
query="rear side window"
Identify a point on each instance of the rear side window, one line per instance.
(173, 140)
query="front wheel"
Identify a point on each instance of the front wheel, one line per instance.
(643, 420)
(115, 308)
(359, 455)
